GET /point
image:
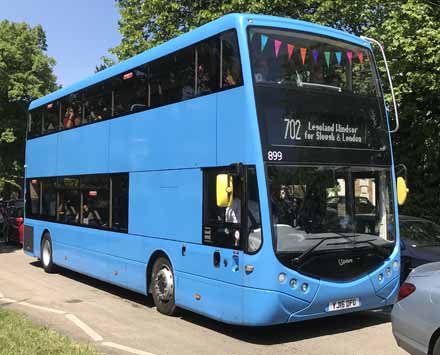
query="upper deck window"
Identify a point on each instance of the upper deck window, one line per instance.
(306, 61)
(200, 69)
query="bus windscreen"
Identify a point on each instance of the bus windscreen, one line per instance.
(316, 92)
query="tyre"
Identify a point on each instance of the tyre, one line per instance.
(46, 256)
(162, 286)
(436, 350)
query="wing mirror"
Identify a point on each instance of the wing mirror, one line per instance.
(224, 190)
(402, 190)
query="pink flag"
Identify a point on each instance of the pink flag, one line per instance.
(277, 47)
(350, 56)
(303, 54)
(290, 48)
(361, 57)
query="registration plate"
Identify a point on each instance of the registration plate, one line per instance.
(344, 304)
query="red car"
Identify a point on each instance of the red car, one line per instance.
(14, 222)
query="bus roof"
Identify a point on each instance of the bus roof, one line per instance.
(210, 29)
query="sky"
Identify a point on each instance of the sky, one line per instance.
(79, 32)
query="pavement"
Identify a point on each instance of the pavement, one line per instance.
(117, 321)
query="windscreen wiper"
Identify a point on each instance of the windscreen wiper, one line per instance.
(323, 86)
(304, 255)
(381, 250)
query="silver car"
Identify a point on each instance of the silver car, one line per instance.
(416, 315)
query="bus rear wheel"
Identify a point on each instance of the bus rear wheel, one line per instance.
(162, 287)
(46, 254)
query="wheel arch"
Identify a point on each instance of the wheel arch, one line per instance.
(153, 257)
(432, 341)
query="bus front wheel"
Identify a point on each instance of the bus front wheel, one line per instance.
(162, 286)
(46, 253)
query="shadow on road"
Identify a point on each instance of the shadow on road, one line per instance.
(271, 335)
(8, 248)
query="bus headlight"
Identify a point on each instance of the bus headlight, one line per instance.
(282, 277)
(380, 277)
(395, 264)
(293, 283)
(388, 271)
(304, 287)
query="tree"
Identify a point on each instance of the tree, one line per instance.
(25, 74)
(407, 28)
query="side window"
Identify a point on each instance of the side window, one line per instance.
(119, 183)
(98, 102)
(208, 66)
(33, 198)
(184, 73)
(221, 225)
(35, 123)
(95, 200)
(48, 198)
(161, 82)
(230, 60)
(51, 117)
(131, 92)
(72, 112)
(68, 210)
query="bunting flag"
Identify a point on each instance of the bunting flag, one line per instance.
(338, 57)
(251, 34)
(263, 42)
(315, 53)
(290, 48)
(361, 57)
(350, 56)
(277, 47)
(327, 58)
(303, 54)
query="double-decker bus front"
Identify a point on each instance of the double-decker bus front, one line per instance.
(327, 162)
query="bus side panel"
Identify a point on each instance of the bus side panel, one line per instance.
(167, 204)
(168, 137)
(41, 156)
(235, 139)
(84, 149)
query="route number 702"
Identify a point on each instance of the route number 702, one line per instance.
(292, 129)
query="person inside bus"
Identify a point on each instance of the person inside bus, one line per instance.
(233, 73)
(67, 212)
(68, 118)
(261, 70)
(91, 217)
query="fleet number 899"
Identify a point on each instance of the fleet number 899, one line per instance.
(274, 155)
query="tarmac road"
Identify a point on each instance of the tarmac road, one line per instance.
(118, 321)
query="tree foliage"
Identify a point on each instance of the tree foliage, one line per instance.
(407, 28)
(25, 74)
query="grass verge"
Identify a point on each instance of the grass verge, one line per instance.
(19, 336)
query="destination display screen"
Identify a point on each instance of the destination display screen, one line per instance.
(306, 126)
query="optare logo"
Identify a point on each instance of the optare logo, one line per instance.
(342, 262)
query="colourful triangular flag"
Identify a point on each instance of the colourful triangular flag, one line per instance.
(263, 42)
(361, 57)
(315, 53)
(350, 56)
(277, 47)
(251, 34)
(338, 57)
(290, 48)
(327, 58)
(303, 54)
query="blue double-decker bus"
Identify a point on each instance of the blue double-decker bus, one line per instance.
(243, 171)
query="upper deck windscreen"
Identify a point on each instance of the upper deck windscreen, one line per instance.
(316, 92)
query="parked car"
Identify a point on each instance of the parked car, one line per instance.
(420, 243)
(14, 230)
(416, 315)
